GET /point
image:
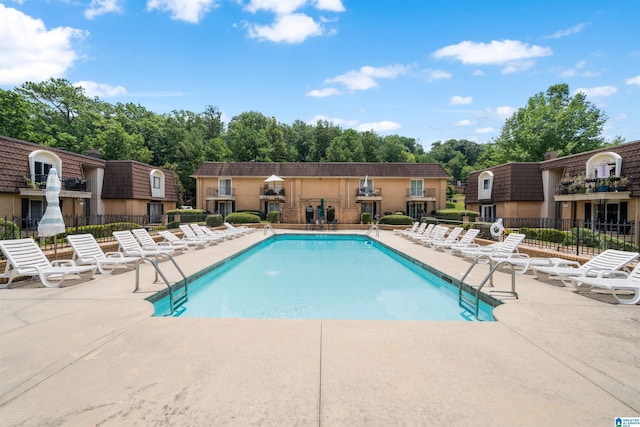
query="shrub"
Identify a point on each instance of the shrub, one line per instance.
(214, 220)
(456, 214)
(273, 217)
(595, 239)
(242, 218)
(396, 220)
(397, 213)
(546, 234)
(192, 215)
(8, 230)
(365, 218)
(173, 224)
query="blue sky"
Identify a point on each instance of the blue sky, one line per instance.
(430, 70)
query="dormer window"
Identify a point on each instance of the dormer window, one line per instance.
(604, 165)
(485, 185)
(157, 184)
(40, 161)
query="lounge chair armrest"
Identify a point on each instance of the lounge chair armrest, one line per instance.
(63, 263)
(114, 254)
(616, 274)
(597, 272)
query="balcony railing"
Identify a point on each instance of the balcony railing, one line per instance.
(272, 191)
(220, 192)
(421, 192)
(579, 184)
(39, 182)
(368, 192)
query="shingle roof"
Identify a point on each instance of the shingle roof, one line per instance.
(511, 182)
(335, 169)
(128, 179)
(14, 161)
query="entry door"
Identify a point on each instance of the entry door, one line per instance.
(225, 208)
(32, 211)
(488, 212)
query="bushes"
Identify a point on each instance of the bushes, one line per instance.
(173, 224)
(273, 217)
(595, 239)
(8, 230)
(242, 218)
(365, 218)
(396, 220)
(456, 214)
(214, 220)
(546, 234)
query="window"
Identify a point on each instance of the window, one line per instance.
(415, 188)
(488, 212)
(485, 185)
(40, 161)
(156, 177)
(224, 187)
(604, 165)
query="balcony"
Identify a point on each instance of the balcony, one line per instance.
(225, 193)
(368, 194)
(272, 193)
(580, 188)
(420, 194)
(35, 185)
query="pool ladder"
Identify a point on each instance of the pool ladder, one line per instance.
(374, 227)
(268, 227)
(471, 301)
(176, 299)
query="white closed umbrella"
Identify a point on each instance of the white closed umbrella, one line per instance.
(52, 223)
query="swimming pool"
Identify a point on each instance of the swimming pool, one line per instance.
(322, 277)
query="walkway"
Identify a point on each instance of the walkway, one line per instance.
(91, 354)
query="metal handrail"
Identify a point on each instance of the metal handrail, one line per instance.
(374, 227)
(268, 227)
(475, 302)
(158, 271)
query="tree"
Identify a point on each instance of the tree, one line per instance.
(346, 148)
(14, 115)
(244, 137)
(554, 121)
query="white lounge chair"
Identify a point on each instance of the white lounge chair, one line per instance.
(25, 258)
(418, 231)
(602, 264)
(189, 233)
(221, 235)
(411, 229)
(185, 241)
(464, 242)
(508, 246)
(240, 230)
(87, 251)
(147, 242)
(130, 246)
(450, 238)
(624, 282)
(437, 233)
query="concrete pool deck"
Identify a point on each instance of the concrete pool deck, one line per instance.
(90, 354)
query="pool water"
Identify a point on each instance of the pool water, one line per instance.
(322, 277)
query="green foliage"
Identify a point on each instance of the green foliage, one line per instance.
(396, 220)
(456, 214)
(595, 239)
(214, 220)
(365, 218)
(242, 218)
(546, 234)
(8, 230)
(551, 121)
(273, 217)
(100, 231)
(173, 224)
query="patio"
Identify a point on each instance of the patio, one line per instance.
(91, 354)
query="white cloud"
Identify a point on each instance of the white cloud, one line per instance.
(382, 126)
(460, 100)
(563, 33)
(515, 55)
(505, 111)
(330, 5)
(433, 75)
(633, 80)
(101, 90)
(598, 90)
(100, 7)
(366, 77)
(477, 73)
(322, 93)
(485, 130)
(335, 120)
(466, 122)
(579, 70)
(30, 52)
(293, 28)
(279, 7)
(190, 11)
